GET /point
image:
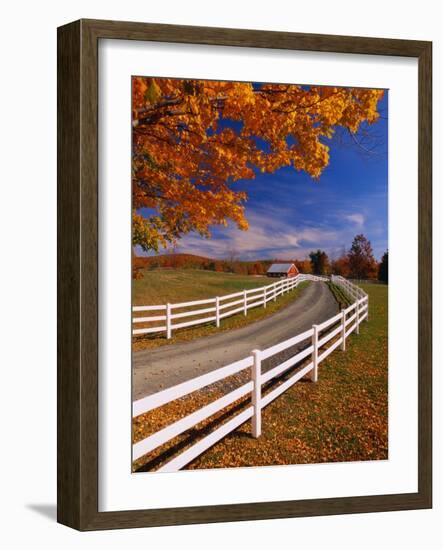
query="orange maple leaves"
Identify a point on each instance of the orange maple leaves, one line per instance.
(186, 158)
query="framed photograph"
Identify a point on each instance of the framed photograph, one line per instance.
(244, 275)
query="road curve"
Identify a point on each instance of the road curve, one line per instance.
(154, 370)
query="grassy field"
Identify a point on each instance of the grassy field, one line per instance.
(161, 286)
(343, 417)
(340, 295)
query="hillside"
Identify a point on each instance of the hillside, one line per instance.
(160, 286)
(194, 261)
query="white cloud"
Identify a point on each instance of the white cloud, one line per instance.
(270, 235)
(276, 233)
(357, 219)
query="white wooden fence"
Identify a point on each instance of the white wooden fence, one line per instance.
(215, 309)
(321, 339)
(352, 290)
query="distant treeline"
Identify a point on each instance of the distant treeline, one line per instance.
(357, 263)
(191, 261)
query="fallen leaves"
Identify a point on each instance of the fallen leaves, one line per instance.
(343, 417)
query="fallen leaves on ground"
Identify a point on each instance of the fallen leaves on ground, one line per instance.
(342, 417)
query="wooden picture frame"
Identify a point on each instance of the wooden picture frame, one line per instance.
(78, 273)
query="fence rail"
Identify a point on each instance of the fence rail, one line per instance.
(219, 308)
(322, 339)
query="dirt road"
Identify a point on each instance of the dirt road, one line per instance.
(154, 370)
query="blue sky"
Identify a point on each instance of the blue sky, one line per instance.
(290, 214)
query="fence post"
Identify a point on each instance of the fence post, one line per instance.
(275, 292)
(168, 321)
(264, 296)
(217, 311)
(245, 304)
(343, 330)
(256, 393)
(314, 371)
(357, 317)
(367, 308)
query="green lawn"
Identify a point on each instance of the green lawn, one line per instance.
(163, 286)
(160, 286)
(340, 295)
(342, 417)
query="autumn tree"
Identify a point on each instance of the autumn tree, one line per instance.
(362, 264)
(193, 139)
(340, 266)
(137, 266)
(304, 266)
(175, 260)
(259, 268)
(319, 262)
(383, 269)
(255, 268)
(232, 258)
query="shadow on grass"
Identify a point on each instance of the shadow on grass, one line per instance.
(193, 435)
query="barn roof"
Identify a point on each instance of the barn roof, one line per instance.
(279, 268)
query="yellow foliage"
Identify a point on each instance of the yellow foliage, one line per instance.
(184, 162)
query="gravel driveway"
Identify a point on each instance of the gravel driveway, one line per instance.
(154, 370)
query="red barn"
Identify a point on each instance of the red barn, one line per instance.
(282, 270)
